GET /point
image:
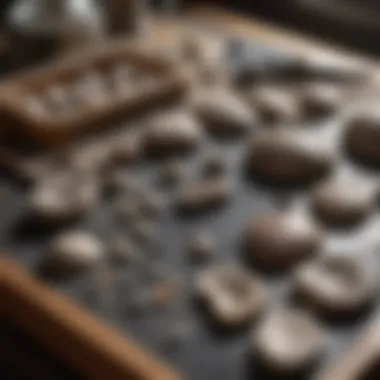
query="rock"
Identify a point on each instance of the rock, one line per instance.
(203, 195)
(63, 197)
(274, 105)
(321, 99)
(289, 157)
(172, 133)
(74, 251)
(287, 342)
(278, 240)
(232, 296)
(342, 202)
(363, 134)
(336, 285)
(223, 113)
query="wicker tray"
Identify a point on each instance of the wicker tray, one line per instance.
(52, 127)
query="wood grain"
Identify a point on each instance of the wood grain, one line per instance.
(69, 331)
(361, 356)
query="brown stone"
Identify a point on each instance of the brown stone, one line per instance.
(232, 295)
(343, 202)
(288, 341)
(277, 240)
(363, 134)
(223, 113)
(288, 156)
(205, 194)
(336, 285)
(175, 132)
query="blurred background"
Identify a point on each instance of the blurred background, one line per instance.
(351, 22)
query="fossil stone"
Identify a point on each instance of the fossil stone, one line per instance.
(336, 285)
(232, 295)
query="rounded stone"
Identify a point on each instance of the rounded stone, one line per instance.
(74, 251)
(278, 240)
(63, 197)
(223, 113)
(232, 296)
(289, 157)
(288, 341)
(336, 285)
(274, 105)
(343, 202)
(176, 132)
(363, 134)
(321, 99)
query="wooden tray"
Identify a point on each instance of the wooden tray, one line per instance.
(52, 127)
(66, 329)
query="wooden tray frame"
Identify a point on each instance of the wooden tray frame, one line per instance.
(57, 130)
(69, 331)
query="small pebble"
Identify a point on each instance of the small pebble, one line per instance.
(63, 197)
(172, 133)
(321, 99)
(223, 113)
(342, 202)
(279, 240)
(125, 150)
(205, 194)
(232, 295)
(274, 105)
(74, 250)
(336, 285)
